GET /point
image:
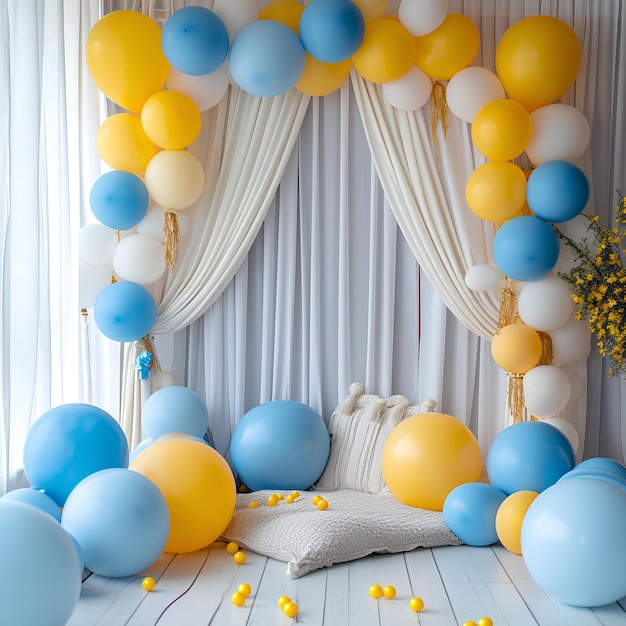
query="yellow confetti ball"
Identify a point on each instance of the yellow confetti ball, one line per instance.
(245, 589)
(389, 592)
(272, 500)
(289, 499)
(283, 600)
(238, 598)
(253, 505)
(316, 499)
(416, 604)
(280, 496)
(290, 609)
(239, 557)
(148, 583)
(376, 591)
(295, 494)
(322, 505)
(470, 623)
(232, 547)
(485, 621)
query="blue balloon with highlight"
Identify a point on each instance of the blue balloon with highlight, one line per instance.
(36, 498)
(119, 200)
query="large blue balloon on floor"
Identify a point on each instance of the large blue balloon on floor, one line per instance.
(574, 544)
(67, 444)
(119, 200)
(40, 573)
(280, 445)
(120, 519)
(36, 498)
(125, 311)
(529, 456)
(526, 248)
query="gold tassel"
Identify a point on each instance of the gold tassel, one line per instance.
(438, 111)
(546, 349)
(171, 230)
(508, 308)
(515, 395)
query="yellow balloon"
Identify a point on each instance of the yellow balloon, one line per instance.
(174, 179)
(449, 48)
(287, 12)
(426, 456)
(496, 191)
(198, 486)
(371, 9)
(502, 129)
(516, 348)
(387, 51)
(537, 60)
(125, 59)
(320, 79)
(123, 144)
(509, 519)
(171, 119)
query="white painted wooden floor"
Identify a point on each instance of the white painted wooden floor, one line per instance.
(457, 584)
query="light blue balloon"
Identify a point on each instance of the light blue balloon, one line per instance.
(604, 463)
(141, 446)
(469, 511)
(70, 442)
(529, 456)
(119, 200)
(40, 575)
(574, 543)
(125, 311)
(36, 498)
(557, 191)
(526, 248)
(332, 30)
(120, 519)
(195, 40)
(280, 445)
(596, 474)
(174, 409)
(266, 58)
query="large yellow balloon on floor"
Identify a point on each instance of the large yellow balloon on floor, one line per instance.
(288, 12)
(198, 486)
(510, 517)
(537, 59)
(125, 59)
(516, 348)
(320, 79)
(426, 456)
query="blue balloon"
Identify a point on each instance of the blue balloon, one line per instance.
(120, 519)
(332, 30)
(266, 58)
(557, 191)
(526, 248)
(119, 200)
(280, 445)
(597, 474)
(141, 446)
(67, 444)
(604, 463)
(40, 575)
(36, 498)
(174, 409)
(195, 40)
(125, 311)
(574, 544)
(469, 511)
(529, 456)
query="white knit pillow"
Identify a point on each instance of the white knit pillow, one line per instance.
(358, 428)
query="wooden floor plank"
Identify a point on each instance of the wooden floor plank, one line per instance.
(469, 564)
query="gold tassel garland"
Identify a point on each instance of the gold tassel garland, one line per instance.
(547, 353)
(438, 111)
(171, 231)
(515, 396)
(508, 307)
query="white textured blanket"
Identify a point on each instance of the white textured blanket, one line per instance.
(354, 525)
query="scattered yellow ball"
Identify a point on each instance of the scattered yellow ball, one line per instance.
(148, 583)
(289, 499)
(272, 500)
(376, 591)
(316, 499)
(389, 592)
(290, 609)
(322, 505)
(239, 557)
(416, 604)
(232, 547)
(295, 494)
(245, 589)
(485, 621)
(242, 488)
(238, 598)
(283, 600)
(253, 505)
(470, 623)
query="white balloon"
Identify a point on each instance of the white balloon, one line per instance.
(560, 133)
(152, 224)
(409, 93)
(470, 89)
(545, 304)
(236, 14)
(567, 428)
(421, 17)
(139, 259)
(206, 90)
(576, 384)
(96, 244)
(92, 279)
(546, 390)
(571, 342)
(483, 277)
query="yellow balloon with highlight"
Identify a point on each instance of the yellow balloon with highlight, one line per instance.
(125, 58)
(198, 486)
(320, 79)
(288, 12)
(426, 456)
(496, 191)
(449, 48)
(502, 129)
(371, 9)
(516, 348)
(510, 517)
(387, 51)
(171, 119)
(123, 144)
(537, 60)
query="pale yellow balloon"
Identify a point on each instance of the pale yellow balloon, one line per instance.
(516, 348)
(287, 12)
(371, 9)
(320, 79)
(510, 517)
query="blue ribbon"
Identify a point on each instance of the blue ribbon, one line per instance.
(142, 364)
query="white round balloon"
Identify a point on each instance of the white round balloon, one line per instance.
(236, 14)
(152, 224)
(571, 342)
(206, 90)
(567, 428)
(470, 89)
(483, 277)
(409, 93)
(96, 244)
(421, 17)
(546, 390)
(545, 304)
(139, 259)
